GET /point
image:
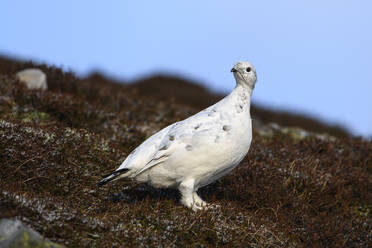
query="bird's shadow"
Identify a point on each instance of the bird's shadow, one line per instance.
(141, 192)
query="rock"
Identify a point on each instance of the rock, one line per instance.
(33, 78)
(13, 233)
(295, 133)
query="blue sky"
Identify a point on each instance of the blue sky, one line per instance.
(311, 56)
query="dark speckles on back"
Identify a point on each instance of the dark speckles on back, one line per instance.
(239, 107)
(212, 112)
(197, 126)
(188, 148)
(226, 128)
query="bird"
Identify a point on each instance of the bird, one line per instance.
(196, 151)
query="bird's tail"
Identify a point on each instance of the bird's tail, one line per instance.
(111, 176)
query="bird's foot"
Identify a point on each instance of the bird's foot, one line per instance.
(191, 199)
(206, 206)
(198, 201)
(211, 206)
(196, 204)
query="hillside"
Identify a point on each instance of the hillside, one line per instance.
(192, 94)
(298, 187)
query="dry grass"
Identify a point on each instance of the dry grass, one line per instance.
(55, 145)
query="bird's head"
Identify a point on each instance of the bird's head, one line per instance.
(245, 74)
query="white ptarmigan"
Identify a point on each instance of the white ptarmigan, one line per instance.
(192, 153)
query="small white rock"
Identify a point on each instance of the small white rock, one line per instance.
(33, 78)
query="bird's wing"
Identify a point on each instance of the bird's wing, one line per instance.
(160, 146)
(147, 153)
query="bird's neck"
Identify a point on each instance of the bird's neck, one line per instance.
(244, 88)
(243, 93)
(241, 98)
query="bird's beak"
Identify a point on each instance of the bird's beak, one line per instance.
(233, 70)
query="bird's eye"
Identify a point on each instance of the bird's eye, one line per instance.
(249, 69)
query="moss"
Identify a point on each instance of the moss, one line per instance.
(363, 210)
(34, 116)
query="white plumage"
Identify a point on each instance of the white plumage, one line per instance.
(192, 153)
